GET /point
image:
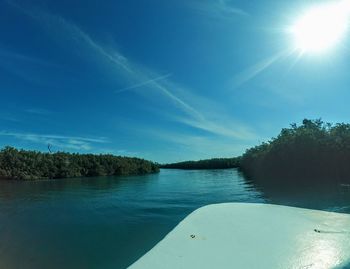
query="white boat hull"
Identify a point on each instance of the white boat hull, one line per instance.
(239, 235)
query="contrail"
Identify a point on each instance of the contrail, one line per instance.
(144, 83)
(126, 68)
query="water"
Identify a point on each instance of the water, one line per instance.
(109, 222)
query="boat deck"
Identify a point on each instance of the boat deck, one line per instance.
(240, 235)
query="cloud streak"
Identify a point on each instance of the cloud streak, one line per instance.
(8, 117)
(66, 142)
(9, 55)
(145, 83)
(197, 146)
(37, 111)
(221, 9)
(223, 129)
(125, 68)
(142, 77)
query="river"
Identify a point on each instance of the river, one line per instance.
(109, 222)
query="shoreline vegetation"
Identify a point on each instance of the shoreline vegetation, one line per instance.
(313, 152)
(31, 165)
(215, 163)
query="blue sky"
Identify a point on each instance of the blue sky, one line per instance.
(159, 79)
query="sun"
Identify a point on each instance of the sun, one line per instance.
(322, 27)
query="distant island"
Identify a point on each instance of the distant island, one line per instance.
(31, 165)
(216, 163)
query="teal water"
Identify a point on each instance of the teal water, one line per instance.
(109, 222)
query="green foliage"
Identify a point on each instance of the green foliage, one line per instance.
(218, 163)
(312, 152)
(27, 165)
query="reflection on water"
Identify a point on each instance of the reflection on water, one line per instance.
(105, 222)
(326, 197)
(109, 222)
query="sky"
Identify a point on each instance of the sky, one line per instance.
(165, 80)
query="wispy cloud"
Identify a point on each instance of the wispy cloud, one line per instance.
(22, 65)
(59, 141)
(126, 69)
(8, 117)
(144, 83)
(198, 147)
(196, 115)
(27, 67)
(220, 128)
(221, 9)
(14, 56)
(37, 111)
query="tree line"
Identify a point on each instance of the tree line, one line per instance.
(30, 165)
(216, 163)
(314, 151)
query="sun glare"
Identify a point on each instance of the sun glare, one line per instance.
(322, 27)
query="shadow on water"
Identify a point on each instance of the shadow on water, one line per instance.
(328, 197)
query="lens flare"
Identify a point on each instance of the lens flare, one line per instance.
(322, 27)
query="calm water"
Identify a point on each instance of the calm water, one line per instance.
(109, 222)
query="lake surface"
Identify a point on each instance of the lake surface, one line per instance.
(109, 222)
